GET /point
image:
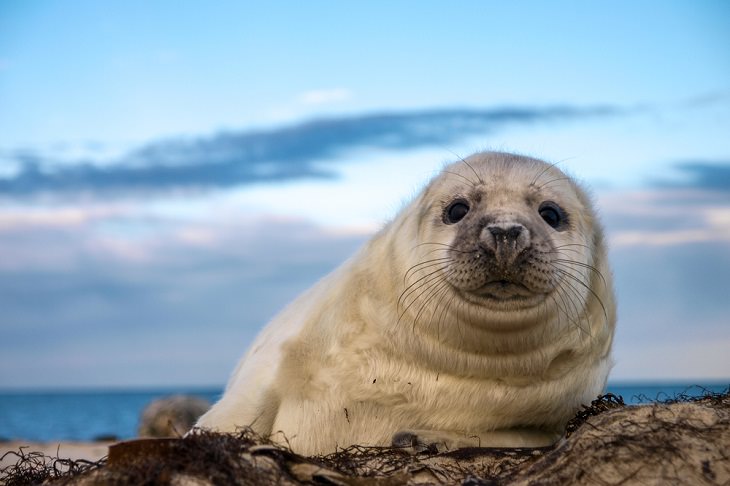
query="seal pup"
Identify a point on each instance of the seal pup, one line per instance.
(481, 315)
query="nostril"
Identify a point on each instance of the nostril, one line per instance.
(496, 231)
(509, 232)
(514, 232)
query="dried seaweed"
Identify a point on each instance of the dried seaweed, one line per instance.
(36, 467)
(599, 405)
(216, 457)
(607, 442)
(693, 393)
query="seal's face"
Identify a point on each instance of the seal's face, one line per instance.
(508, 233)
(499, 254)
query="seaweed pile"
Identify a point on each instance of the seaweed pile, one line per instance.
(680, 440)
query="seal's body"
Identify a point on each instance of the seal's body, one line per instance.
(483, 314)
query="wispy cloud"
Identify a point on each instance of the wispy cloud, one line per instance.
(667, 238)
(63, 217)
(289, 153)
(86, 294)
(712, 175)
(325, 96)
(707, 99)
(690, 209)
(667, 217)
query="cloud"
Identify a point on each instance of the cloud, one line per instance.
(325, 96)
(63, 217)
(705, 175)
(162, 166)
(689, 280)
(697, 360)
(713, 176)
(289, 153)
(669, 254)
(668, 238)
(178, 305)
(713, 98)
(692, 208)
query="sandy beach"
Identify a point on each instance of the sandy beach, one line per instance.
(91, 451)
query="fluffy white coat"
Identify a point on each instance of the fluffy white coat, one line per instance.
(347, 363)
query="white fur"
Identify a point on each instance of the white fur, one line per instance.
(345, 364)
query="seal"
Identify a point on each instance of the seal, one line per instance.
(481, 315)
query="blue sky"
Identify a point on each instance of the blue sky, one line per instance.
(173, 173)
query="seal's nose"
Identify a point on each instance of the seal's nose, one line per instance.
(508, 233)
(505, 239)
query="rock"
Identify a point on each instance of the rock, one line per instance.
(171, 416)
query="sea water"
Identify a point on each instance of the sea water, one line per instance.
(91, 415)
(80, 415)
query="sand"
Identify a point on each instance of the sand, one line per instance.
(90, 451)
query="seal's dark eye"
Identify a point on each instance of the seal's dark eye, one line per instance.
(551, 213)
(456, 211)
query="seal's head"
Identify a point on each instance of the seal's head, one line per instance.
(508, 234)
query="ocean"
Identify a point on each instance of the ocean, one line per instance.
(91, 415)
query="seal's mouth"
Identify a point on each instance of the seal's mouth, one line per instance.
(503, 289)
(503, 295)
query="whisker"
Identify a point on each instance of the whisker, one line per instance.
(468, 165)
(553, 180)
(443, 315)
(557, 304)
(562, 262)
(572, 244)
(425, 264)
(471, 183)
(481, 181)
(436, 290)
(460, 326)
(534, 181)
(420, 281)
(432, 243)
(576, 279)
(550, 166)
(447, 247)
(426, 287)
(580, 309)
(576, 319)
